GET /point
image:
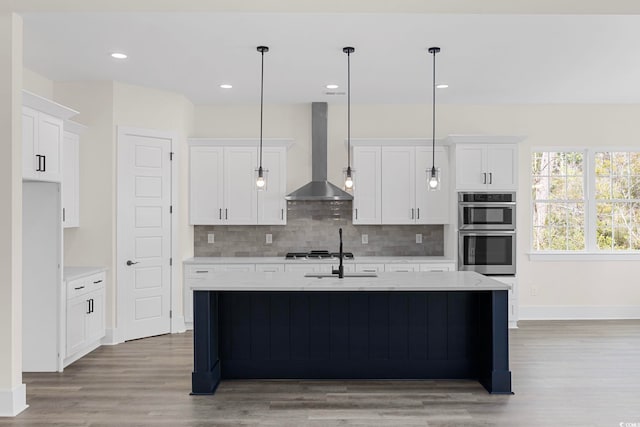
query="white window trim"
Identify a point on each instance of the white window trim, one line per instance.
(591, 253)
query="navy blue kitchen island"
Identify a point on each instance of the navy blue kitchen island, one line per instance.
(395, 326)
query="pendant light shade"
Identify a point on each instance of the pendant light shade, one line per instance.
(261, 173)
(433, 174)
(348, 172)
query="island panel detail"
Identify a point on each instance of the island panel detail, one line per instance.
(350, 335)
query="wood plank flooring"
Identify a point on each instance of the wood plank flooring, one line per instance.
(566, 373)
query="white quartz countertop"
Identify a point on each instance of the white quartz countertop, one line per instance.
(72, 273)
(423, 281)
(282, 260)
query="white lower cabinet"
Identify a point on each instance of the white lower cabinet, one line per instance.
(512, 281)
(85, 315)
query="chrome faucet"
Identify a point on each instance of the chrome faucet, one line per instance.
(340, 270)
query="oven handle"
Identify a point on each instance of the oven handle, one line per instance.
(487, 204)
(486, 232)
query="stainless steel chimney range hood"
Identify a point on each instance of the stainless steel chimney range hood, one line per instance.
(319, 188)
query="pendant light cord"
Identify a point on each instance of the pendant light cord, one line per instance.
(261, 103)
(433, 135)
(349, 110)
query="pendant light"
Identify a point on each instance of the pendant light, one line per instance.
(261, 174)
(348, 172)
(433, 175)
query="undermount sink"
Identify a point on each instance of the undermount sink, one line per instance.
(322, 275)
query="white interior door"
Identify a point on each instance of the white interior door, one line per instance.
(144, 233)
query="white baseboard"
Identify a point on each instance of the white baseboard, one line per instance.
(177, 325)
(13, 401)
(111, 337)
(578, 312)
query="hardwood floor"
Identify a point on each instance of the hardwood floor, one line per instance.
(565, 373)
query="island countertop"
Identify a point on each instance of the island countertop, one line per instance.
(417, 281)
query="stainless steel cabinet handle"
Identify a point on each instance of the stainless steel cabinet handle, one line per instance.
(282, 214)
(356, 213)
(490, 178)
(129, 262)
(97, 281)
(220, 213)
(484, 178)
(226, 213)
(202, 271)
(418, 213)
(79, 287)
(369, 270)
(412, 213)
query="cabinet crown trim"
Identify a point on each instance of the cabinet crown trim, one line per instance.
(47, 106)
(399, 142)
(240, 142)
(484, 139)
(74, 127)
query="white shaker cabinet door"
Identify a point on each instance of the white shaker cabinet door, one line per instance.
(206, 185)
(398, 185)
(240, 193)
(30, 143)
(432, 207)
(367, 180)
(471, 168)
(501, 164)
(272, 207)
(77, 310)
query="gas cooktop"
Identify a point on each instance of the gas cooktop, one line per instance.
(315, 254)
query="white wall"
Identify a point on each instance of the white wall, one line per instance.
(12, 391)
(36, 83)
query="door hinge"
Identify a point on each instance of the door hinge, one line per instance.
(170, 314)
(171, 155)
(170, 261)
(170, 208)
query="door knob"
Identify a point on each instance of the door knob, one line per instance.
(129, 262)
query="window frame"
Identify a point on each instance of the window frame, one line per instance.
(591, 251)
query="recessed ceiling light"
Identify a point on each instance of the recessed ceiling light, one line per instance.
(119, 55)
(443, 86)
(332, 86)
(226, 86)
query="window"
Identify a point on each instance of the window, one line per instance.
(617, 197)
(586, 200)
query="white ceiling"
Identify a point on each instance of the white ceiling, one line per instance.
(485, 59)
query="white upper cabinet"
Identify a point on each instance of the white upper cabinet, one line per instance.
(42, 138)
(367, 180)
(391, 183)
(486, 166)
(272, 207)
(222, 183)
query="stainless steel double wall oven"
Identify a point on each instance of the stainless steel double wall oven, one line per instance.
(487, 232)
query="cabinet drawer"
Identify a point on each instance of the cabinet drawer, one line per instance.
(269, 268)
(402, 268)
(437, 267)
(369, 268)
(199, 271)
(83, 285)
